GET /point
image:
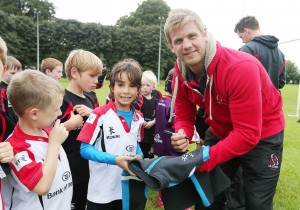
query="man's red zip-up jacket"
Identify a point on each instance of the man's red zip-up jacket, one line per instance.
(242, 104)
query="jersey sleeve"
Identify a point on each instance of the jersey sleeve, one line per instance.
(27, 170)
(91, 129)
(89, 152)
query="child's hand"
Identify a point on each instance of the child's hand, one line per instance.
(6, 152)
(149, 124)
(83, 110)
(122, 162)
(138, 157)
(59, 133)
(76, 120)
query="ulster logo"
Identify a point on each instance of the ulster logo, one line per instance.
(274, 162)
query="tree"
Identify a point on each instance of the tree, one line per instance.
(146, 14)
(28, 8)
(292, 72)
(146, 22)
(136, 36)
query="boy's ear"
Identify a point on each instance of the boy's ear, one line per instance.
(47, 71)
(74, 72)
(33, 113)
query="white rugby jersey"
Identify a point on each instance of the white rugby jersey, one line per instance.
(119, 139)
(30, 152)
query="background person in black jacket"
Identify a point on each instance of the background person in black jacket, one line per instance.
(263, 47)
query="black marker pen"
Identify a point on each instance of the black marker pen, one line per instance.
(172, 133)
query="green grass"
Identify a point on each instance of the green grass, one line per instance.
(287, 196)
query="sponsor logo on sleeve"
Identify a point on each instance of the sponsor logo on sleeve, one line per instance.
(91, 118)
(21, 159)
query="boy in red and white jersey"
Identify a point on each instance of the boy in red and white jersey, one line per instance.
(41, 177)
(110, 137)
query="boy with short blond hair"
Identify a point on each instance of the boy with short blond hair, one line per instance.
(41, 176)
(6, 150)
(52, 67)
(82, 69)
(148, 109)
(10, 118)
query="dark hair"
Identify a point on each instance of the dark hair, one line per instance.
(133, 70)
(247, 22)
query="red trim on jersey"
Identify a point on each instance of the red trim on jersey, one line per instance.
(68, 111)
(3, 123)
(2, 97)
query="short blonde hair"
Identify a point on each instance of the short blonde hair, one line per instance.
(179, 17)
(149, 76)
(50, 63)
(82, 60)
(31, 88)
(13, 63)
(3, 51)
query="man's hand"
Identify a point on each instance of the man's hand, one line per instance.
(180, 141)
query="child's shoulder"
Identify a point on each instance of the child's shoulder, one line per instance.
(103, 109)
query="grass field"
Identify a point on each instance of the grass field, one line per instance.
(288, 190)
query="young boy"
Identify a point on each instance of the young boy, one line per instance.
(41, 177)
(52, 67)
(6, 150)
(110, 137)
(148, 110)
(82, 69)
(10, 118)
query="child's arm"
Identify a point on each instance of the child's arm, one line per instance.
(89, 152)
(56, 137)
(83, 110)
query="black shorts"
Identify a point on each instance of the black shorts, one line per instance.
(260, 172)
